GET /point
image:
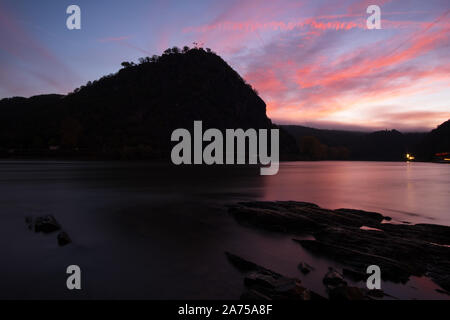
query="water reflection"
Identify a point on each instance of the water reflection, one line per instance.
(156, 231)
(415, 192)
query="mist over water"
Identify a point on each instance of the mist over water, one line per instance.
(159, 231)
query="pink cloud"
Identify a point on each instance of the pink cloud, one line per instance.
(315, 86)
(114, 39)
(40, 63)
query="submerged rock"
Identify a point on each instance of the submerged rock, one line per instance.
(63, 238)
(262, 283)
(305, 268)
(46, 224)
(338, 289)
(265, 284)
(391, 269)
(334, 279)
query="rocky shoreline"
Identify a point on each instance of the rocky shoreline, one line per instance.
(354, 238)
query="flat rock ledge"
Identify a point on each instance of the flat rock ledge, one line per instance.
(357, 238)
(264, 284)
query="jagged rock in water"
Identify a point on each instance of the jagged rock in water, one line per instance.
(63, 238)
(334, 279)
(399, 250)
(305, 268)
(262, 283)
(46, 224)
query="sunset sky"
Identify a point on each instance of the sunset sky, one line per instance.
(313, 62)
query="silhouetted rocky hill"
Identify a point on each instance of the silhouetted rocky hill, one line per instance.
(131, 114)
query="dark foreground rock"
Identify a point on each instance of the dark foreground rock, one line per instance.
(338, 289)
(63, 238)
(264, 284)
(46, 224)
(305, 268)
(334, 279)
(399, 250)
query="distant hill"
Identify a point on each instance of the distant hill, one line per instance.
(386, 145)
(30, 123)
(131, 114)
(318, 144)
(436, 144)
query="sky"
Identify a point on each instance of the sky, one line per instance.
(314, 63)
